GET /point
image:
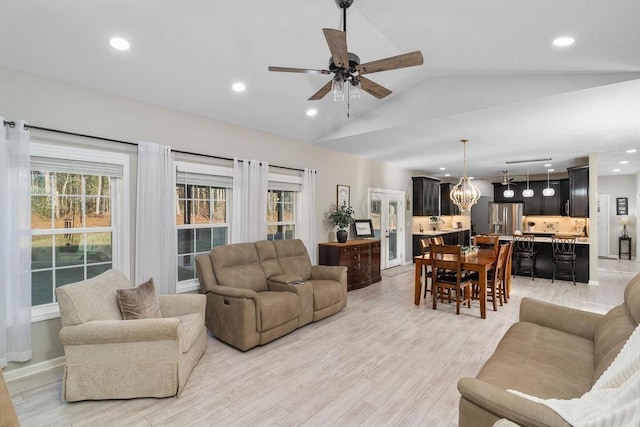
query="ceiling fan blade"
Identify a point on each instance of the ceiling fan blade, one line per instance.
(373, 88)
(322, 92)
(298, 70)
(337, 41)
(410, 59)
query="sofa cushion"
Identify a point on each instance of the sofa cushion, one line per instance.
(326, 293)
(268, 258)
(610, 335)
(632, 298)
(277, 308)
(140, 302)
(293, 257)
(92, 299)
(542, 362)
(238, 266)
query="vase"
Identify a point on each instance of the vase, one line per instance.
(342, 236)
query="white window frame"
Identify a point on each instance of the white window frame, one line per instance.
(198, 168)
(121, 245)
(294, 182)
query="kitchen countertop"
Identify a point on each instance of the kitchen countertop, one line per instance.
(542, 239)
(440, 231)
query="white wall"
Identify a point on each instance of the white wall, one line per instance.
(619, 186)
(51, 104)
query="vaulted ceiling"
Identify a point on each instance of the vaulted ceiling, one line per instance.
(490, 72)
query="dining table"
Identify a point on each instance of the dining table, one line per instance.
(481, 262)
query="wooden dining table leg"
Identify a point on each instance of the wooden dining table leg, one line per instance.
(483, 291)
(418, 283)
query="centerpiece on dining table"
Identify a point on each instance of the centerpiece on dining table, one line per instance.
(469, 250)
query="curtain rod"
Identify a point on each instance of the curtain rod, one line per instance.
(12, 124)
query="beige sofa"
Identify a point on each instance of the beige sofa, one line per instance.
(111, 358)
(552, 352)
(252, 294)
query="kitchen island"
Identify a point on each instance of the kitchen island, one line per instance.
(544, 257)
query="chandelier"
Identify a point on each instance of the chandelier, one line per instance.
(465, 194)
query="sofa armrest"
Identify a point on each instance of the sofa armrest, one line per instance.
(570, 320)
(179, 305)
(508, 405)
(285, 279)
(121, 331)
(329, 272)
(228, 291)
(280, 287)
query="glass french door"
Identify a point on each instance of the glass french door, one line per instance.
(387, 217)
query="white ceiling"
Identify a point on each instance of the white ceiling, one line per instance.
(490, 72)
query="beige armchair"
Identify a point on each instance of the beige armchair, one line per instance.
(111, 358)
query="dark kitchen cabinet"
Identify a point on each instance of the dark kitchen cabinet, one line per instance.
(579, 191)
(533, 205)
(426, 196)
(564, 197)
(447, 207)
(553, 205)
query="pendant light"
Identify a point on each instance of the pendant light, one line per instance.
(527, 192)
(548, 192)
(508, 193)
(464, 194)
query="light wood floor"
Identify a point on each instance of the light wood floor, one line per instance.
(381, 361)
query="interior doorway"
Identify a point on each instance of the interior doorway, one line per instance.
(604, 247)
(386, 210)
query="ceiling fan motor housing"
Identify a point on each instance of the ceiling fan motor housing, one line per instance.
(345, 73)
(343, 4)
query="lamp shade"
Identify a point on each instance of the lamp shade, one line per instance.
(624, 220)
(508, 193)
(548, 192)
(527, 192)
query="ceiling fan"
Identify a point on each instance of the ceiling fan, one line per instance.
(346, 67)
(505, 179)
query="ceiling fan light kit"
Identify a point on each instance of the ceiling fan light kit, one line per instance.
(465, 193)
(347, 69)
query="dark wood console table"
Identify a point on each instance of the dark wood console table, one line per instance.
(361, 257)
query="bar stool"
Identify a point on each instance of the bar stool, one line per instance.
(564, 253)
(524, 252)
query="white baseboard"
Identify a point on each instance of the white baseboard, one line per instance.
(36, 368)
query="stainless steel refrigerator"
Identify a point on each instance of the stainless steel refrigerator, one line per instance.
(505, 218)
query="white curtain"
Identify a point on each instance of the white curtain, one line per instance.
(155, 218)
(307, 220)
(15, 245)
(250, 185)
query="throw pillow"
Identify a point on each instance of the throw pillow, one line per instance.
(140, 302)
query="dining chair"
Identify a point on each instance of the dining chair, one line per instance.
(446, 274)
(487, 241)
(424, 248)
(496, 280)
(524, 254)
(564, 253)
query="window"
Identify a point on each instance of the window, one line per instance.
(76, 226)
(203, 214)
(281, 209)
(282, 206)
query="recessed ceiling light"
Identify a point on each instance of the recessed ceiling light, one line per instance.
(632, 150)
(551, 170)
(616, 170)
(238, 87)
(624, 162)
(564, 41)
(312, 112)
(548, 165)
(447, 174)
(443, 169)
(119, 43)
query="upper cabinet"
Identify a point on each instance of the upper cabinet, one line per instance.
(447, 207)
(426, 196)
(579, 191)
(533, 205)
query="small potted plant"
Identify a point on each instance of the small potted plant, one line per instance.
(342, 217)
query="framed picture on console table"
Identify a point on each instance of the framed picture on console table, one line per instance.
(363, 227)
(344, 195)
